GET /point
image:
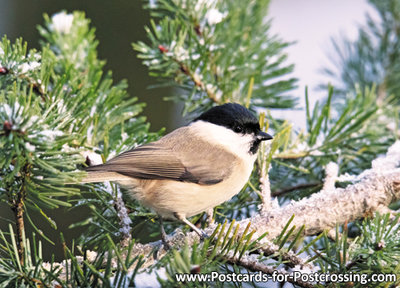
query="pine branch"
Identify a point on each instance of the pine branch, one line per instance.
(217, 52)
(193, 76)
(291, 258)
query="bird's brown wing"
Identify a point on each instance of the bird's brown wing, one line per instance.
(201, 163)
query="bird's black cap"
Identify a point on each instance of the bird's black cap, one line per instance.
(232, 116)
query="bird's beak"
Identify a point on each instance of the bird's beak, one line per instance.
(262, 136)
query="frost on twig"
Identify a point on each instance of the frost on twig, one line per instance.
(331, 171)
(125, 221)
(265, 190)
(265, 185)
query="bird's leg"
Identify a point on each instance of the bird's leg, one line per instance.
(182, 218)
(164, 237)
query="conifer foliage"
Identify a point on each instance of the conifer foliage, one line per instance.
(60, 111)
(56, 104)
(216, 52)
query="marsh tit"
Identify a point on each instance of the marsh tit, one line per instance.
(193, 168)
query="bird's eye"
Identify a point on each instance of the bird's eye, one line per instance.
(238, 129)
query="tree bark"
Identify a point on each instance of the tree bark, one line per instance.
(18, 209)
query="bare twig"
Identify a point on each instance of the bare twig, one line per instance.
(17, 206)
(18, 209)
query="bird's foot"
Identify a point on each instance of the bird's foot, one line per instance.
(164, 236)
(203, 235)
(200, 232)
(166, 244)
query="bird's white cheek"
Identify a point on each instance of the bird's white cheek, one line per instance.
(244, 144)
(236, 143)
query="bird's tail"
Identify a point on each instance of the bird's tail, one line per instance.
(97, 174)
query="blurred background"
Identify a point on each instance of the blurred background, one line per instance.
(309, 23)
(118, 24)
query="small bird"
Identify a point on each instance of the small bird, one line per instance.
(193, 168)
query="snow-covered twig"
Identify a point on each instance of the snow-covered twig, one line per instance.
(265, 189)
(331, 171)
(125, 221)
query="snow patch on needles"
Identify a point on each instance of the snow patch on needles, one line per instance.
(61, 107)
(27, 67)
(30, 147)
(94, 158)
(108, 188)
(89, 133)
(214, 16)
(303, 147)
(8, 110)
(12, 113)
(61, 22)
(213, 90)
(181, 54)
(93, 110)
(392, 126)
(51, 134)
